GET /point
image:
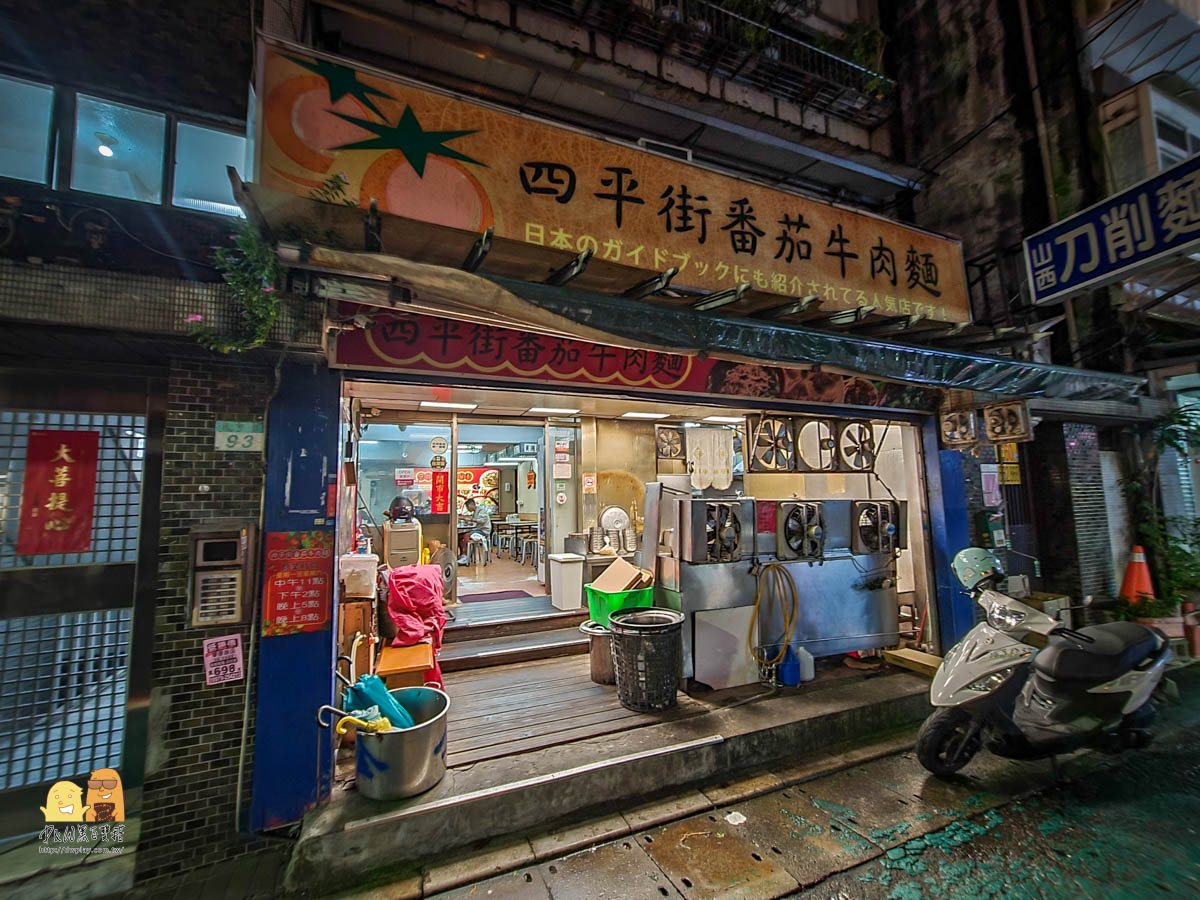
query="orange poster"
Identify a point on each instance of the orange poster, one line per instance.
(344, 135)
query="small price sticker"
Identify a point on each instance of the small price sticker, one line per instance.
(240, 437)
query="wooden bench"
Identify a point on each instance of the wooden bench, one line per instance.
(406, 666)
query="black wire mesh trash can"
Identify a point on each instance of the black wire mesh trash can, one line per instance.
(647, 649)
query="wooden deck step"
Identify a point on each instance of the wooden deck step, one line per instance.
(483, 630)
(498, 618)
(499, 651)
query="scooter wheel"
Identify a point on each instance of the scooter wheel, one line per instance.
(940, 742)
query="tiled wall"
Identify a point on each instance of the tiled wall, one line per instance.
(189, 817)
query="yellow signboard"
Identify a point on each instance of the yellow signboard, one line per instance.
(344, 135)
(1010, 473)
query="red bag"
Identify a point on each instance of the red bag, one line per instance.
(415, 608)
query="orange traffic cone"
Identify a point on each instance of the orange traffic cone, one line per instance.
(1137, 576)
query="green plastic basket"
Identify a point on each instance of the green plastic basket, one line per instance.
(602, 604)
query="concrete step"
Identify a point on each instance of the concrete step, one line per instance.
(513, 648)
(350, 836)
(548, 621)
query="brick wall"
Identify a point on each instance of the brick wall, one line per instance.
(188, 808)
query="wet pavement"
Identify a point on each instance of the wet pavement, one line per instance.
(1094, 826)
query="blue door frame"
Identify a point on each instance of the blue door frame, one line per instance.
(292, 756)
(948, 532)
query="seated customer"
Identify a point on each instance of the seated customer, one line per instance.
(481, 523)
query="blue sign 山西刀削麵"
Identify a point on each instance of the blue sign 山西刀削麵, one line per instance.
(1156, 218)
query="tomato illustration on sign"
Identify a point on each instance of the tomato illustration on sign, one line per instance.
(446, 194)
(414, 172)
(305, 126)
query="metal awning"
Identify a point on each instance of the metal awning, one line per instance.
(403, 285)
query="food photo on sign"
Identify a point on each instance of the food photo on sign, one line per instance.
(481, 484)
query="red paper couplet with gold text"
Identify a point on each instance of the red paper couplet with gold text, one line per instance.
(58, 496)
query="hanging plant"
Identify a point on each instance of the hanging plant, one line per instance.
(251, 270)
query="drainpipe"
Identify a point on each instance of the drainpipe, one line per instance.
(1047, 171)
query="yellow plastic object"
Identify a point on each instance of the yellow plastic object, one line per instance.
(424, 556)
(380, 724)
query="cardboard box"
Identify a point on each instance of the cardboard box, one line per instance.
(405, 666)
(622, 576)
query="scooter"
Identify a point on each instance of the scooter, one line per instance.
(1024, 686)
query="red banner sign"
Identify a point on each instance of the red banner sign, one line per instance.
(297, 582)
(446, 347)
(59, 492)
(439, 494)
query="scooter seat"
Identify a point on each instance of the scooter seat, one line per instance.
(1117, 648)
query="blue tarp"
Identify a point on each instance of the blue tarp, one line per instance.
(687, 330)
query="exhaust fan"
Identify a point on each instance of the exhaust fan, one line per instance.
(772, 446)
(959, 428)
(723, 532)
(800, 531)
(856, 447)
(875, 527)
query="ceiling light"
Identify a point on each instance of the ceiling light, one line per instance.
(517, 459)
(644, 415)
(438, 404)
(106, 143)
(552, 411)
(725, 420)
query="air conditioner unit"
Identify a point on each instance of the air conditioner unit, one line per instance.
(800, 531)
(876, 526)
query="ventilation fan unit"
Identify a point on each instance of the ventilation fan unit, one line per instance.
(668, 442)
(800, 531)
(1007, 422)
(875, 527)
(816, 445)
(959, 428)
(723, 532)
(856, 447)
(772, 446)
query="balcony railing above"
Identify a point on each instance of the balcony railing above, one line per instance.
(731, 46)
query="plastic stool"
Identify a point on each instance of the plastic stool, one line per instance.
(478, 552)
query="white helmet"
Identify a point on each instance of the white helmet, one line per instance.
(974, 565)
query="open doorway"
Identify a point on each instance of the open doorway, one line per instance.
(499, 503)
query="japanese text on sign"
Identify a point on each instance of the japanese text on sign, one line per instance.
(297, 581)
(58, 494)
(1107, 242)
(437, 158)
(223, 659)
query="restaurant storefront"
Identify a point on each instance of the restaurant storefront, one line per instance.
(583, 339)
